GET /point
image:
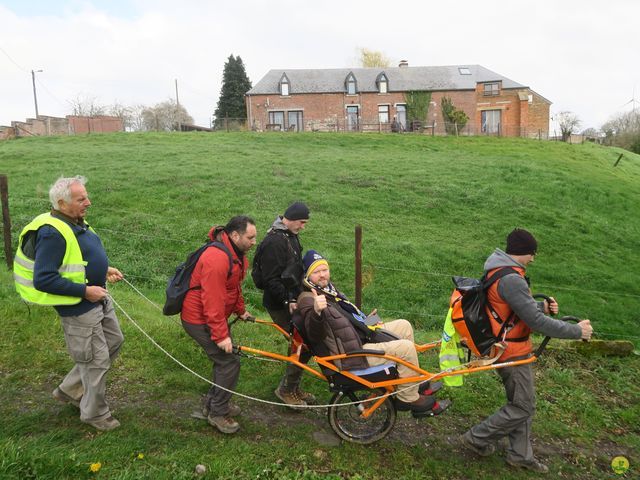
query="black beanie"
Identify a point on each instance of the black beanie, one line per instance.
(297, 211)
(521, 242)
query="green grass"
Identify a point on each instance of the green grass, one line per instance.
(430, 208)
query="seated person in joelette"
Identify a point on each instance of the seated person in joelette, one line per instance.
(332, 325)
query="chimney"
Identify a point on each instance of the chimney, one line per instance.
(403, 63)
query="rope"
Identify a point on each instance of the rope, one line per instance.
(268, 402)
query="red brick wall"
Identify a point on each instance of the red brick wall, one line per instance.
(100, 124)
(328, 111)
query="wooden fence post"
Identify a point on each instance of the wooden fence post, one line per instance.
(358, 266)
(6, 220)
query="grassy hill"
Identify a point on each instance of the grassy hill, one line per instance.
(430, 208)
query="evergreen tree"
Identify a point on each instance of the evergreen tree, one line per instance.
(235, 84)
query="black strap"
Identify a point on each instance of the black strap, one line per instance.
(486, 284)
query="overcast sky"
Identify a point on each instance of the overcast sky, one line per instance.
(583, 55)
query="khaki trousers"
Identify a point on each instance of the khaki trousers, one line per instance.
(93, 340)
(404, 349)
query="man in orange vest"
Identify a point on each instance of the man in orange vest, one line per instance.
(510, 298)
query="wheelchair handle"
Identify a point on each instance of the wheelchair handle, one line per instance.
(566, 318)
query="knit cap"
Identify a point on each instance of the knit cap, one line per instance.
(521, 242)
(297, 211)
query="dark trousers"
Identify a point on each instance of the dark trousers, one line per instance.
(226, 369)
(291, 379)
(514, 419)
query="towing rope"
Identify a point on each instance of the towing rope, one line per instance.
(248, 397)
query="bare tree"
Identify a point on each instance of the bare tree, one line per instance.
(165, 116)
(86, 106)
(623, 130)
(373, 58)
(568, 122)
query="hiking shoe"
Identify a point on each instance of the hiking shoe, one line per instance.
(234, 410)
(104, 425)
(224, 424)
(422, 404)
(64, 398)
(534, 465)
(306, 397)
(466, 441)
(429, 388)
(292, 399)
(436, 409)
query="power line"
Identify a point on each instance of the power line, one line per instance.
(13, 61)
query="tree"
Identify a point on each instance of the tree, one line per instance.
(417, 107)
(454, 119)
(165, 116)
(235, 84)
(86, 106)
(568, 122)
(373, 58)
(623, 130)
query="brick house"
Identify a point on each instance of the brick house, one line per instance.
(362, 99)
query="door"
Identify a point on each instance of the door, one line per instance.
(295, 121)
(491, 120)
(401, 117)
(352, 118)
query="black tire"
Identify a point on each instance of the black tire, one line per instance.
(346, 421)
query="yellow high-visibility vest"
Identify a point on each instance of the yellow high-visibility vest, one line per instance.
(72, 267)
(451, 354)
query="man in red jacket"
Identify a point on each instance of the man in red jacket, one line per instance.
(215, 294)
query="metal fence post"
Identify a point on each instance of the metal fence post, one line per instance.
(358, 263)
(6, 220)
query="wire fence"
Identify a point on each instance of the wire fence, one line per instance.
(170, 259)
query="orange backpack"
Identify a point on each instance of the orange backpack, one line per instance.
(469, 314)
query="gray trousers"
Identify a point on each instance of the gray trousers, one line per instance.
(290, 381)
(514, 419)
(226, 369)
(93, 340)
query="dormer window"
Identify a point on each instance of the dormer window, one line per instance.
(284, 85)
(383, 83)
(351, 84)
(491, 89)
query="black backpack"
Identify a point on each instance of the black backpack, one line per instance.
(178, 285)
(291, 274)
(469, 316)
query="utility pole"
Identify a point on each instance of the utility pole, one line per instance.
(33, 81)
(178, 107)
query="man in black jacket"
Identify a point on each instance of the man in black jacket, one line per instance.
(277, 270)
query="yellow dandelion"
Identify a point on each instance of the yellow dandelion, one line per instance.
(140, 456)
(95, 467)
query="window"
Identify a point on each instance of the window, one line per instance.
(464, 71)
(294, 118)
(491, 89)
(383, 83)
(491, 121)
(276, 121)
(352, 86)
(383, 113)
(284, 85)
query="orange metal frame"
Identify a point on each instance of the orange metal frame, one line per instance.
(388, 385)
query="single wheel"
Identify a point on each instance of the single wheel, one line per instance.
(349, 424)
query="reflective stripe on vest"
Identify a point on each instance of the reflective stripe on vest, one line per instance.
(72, 267)
(451, 354)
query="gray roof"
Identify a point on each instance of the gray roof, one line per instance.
(400, 79)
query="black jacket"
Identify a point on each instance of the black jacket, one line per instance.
(280, 258)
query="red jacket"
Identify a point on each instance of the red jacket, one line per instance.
(219, 296)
